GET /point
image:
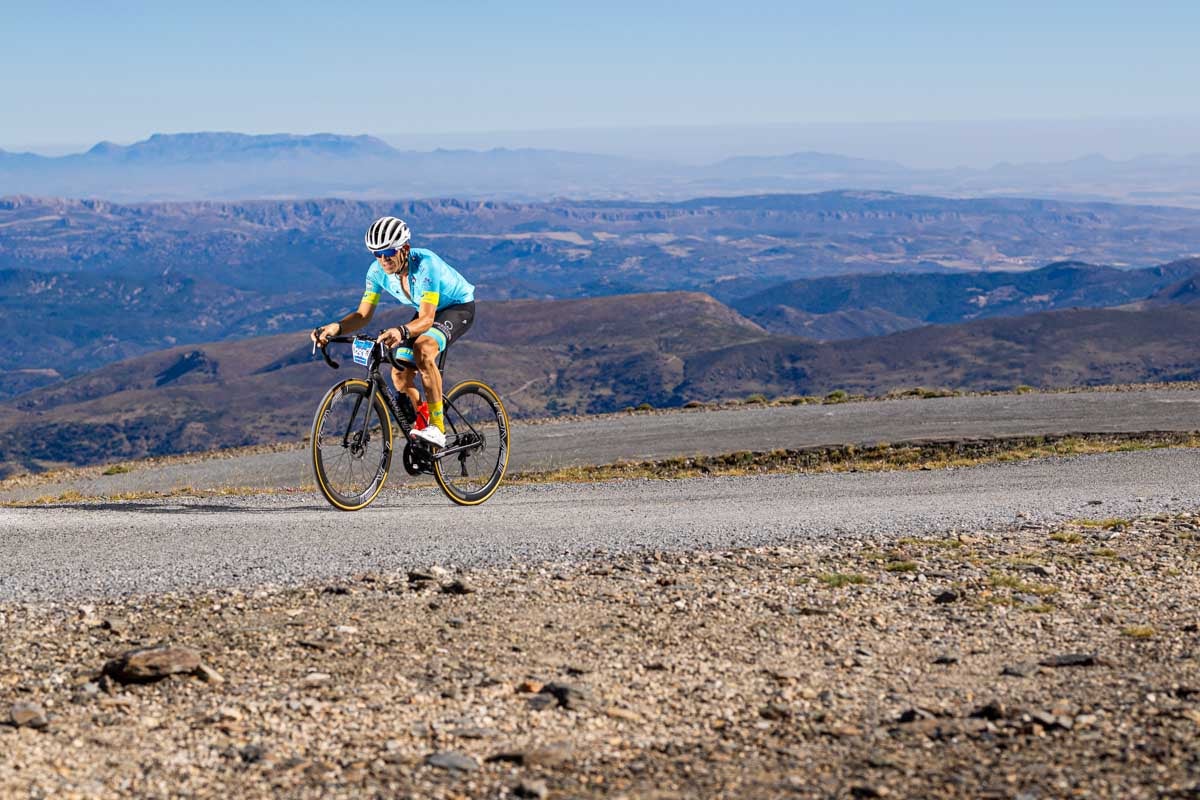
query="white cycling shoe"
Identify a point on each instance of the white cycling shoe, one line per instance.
(430, 434)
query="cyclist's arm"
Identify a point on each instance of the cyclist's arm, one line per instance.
(425, 315)
(351, 322)
(357, 319)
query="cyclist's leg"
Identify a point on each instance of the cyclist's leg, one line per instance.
(449, 324)
(426, 349)
(405, 381)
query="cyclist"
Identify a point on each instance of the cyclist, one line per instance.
(445, 305)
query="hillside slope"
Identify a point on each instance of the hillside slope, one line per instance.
(593, 355)
(853, 306)
(546, 357)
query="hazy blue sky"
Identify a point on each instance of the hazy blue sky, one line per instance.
(76, 72)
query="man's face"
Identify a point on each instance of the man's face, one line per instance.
(394, 264)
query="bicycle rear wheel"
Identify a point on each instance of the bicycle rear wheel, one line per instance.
(351, 445)
(477, 422)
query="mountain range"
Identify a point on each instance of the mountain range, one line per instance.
(588, 355)
(728, 246)
(98, 281)
(235, 166)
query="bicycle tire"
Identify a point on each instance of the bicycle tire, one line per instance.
(338, 429)
(474, 409)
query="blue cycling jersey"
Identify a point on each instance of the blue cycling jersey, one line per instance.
(431, 279)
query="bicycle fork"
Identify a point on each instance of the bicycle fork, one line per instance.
(362, 438)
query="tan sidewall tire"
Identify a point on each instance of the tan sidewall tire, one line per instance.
(437, 465)
(322, 487)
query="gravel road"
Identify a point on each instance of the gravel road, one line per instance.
(88, 550)
(605, 439)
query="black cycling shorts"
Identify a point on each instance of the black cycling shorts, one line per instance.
(449, 324)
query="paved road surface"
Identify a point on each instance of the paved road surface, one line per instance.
(603, 440)
(92, 551)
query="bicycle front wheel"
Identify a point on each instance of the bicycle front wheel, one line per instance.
(351, 445)
(476, 444)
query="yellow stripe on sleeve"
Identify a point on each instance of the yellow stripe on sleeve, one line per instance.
(431, 298)
(371, 297)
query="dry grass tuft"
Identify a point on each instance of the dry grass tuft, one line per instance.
(1139, 631)
(837, 580)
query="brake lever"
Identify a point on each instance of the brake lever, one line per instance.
(328, 360)
(324, 354)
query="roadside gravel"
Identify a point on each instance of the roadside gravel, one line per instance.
(1030, 661)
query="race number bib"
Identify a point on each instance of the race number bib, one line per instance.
(362, 351)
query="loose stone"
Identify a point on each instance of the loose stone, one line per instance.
(28, 715)
(1071, 660)
(452, 760)
(569, 696)
(531, 789)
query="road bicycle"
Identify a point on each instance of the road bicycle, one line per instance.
(352, 434)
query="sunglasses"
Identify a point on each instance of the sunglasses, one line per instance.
(391, 251)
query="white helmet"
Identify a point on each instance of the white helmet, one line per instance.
(387, 232)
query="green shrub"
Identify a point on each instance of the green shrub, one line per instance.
(756, 398)
(645, 407)
(839, 579)
(837, 396)
(117, 469)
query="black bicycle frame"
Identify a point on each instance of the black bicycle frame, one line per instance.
(375, 379)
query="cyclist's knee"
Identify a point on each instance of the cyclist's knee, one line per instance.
(426, 350)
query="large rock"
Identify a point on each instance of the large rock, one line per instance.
(154, 663)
